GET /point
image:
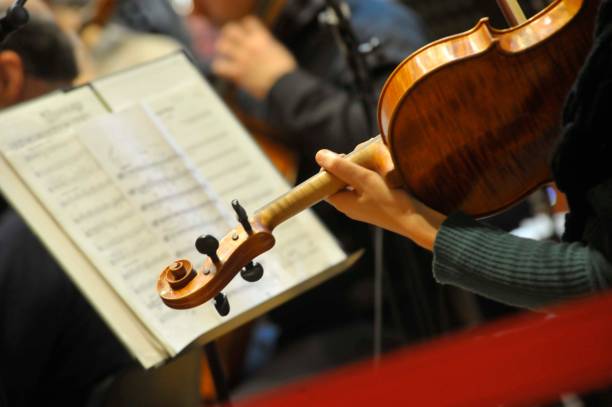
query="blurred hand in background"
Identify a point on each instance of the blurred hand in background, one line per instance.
(248, 55)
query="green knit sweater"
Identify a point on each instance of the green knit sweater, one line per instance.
(531, 273)
(522, 272)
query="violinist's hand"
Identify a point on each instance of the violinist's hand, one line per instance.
(250, 56)
(371, 200)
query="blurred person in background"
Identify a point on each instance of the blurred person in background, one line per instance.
(54, 348)
(118, 34)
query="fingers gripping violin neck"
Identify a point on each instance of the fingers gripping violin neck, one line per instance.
(180, 286)
(470, 122)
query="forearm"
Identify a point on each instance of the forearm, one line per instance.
(522, 272)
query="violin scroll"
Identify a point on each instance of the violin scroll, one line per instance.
(180, 286)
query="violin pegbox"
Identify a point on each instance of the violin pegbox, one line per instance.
(180, 286)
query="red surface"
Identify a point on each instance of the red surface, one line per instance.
(532, 358)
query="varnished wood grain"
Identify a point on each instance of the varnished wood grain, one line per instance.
(471, 120)
(181, 288)
(235, 251)
(317, 188)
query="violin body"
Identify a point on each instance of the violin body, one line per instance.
(471, 120)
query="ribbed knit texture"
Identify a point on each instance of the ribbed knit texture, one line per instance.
(517, 271)
(531, 273)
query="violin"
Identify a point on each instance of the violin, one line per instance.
(469, 120)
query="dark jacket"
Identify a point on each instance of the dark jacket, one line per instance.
(581, 163)
(318, 107)
(535, 273)
(55, 349)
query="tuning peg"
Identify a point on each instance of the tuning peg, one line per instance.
(252, 272)
(243, 218)
(208, 245)
(222, 304)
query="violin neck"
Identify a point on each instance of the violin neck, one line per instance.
(512, 11)
(315, 189)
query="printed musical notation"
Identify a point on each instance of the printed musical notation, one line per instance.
(110, 226)
(208, 134)
(102, 220)
(233, 168)
(132, 190)
(155, 177)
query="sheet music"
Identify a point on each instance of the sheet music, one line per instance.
(133, 190)
(231, 165)
(157, 178)
(35, 121)
(43, 165)
(155, 174)
(224, 154)
(109, 228)
(170, 202)
(233, 168)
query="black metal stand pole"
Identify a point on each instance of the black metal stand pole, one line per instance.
(218, 376)
(350, 47)
(16, 17)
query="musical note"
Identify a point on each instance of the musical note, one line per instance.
(190, 121)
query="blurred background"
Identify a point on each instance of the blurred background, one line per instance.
(311, 104)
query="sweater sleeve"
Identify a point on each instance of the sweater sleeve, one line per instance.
(517, 271)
